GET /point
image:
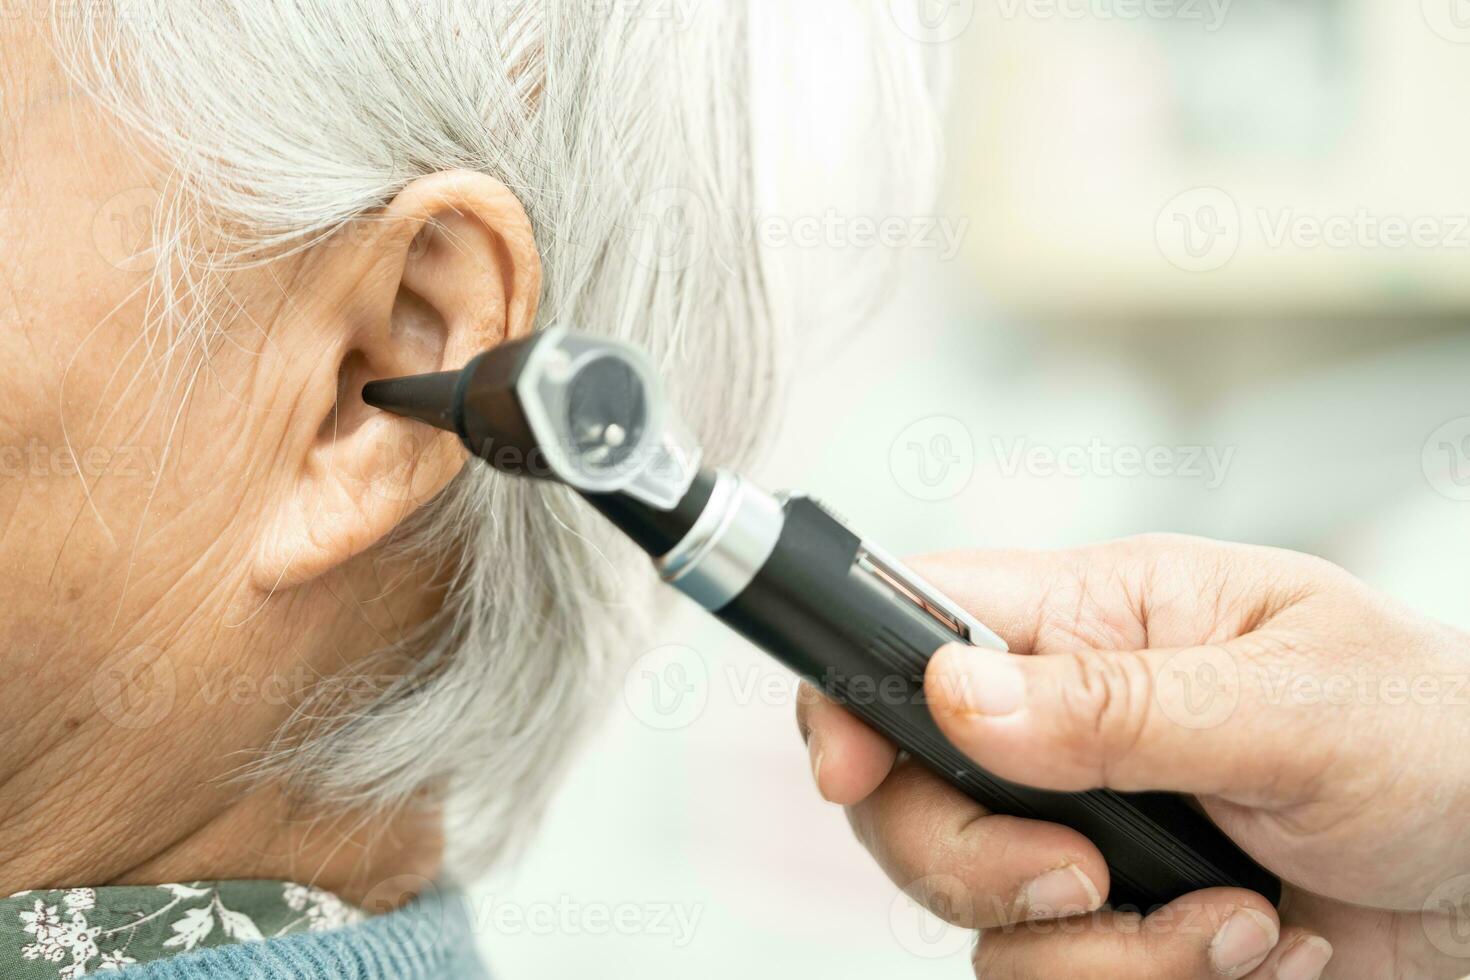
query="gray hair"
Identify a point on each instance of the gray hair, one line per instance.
(633, 138)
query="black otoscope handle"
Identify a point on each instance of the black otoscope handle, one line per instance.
(819, 609)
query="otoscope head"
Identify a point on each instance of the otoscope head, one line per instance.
(561, 406)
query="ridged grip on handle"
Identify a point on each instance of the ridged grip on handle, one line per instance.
(817, 610)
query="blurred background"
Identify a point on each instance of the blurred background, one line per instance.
(1198, 266)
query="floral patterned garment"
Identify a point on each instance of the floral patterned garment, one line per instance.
(63, 934)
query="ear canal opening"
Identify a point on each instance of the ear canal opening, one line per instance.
(348, 409)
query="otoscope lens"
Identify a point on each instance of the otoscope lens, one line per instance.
(607, 414)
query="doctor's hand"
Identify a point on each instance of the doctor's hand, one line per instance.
(1323, 727)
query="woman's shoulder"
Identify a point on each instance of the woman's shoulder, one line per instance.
(428, 939)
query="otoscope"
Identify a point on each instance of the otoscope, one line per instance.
(788, 575)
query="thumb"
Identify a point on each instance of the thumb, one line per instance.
(1170, 719)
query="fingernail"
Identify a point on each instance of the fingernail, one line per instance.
(814, 750)
(981, 681)
(1065, 891)
(1306, 960)
(1242, 942)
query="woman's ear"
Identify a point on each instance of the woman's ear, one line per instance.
(449, 269)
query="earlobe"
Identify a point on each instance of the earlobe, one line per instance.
(449, 269)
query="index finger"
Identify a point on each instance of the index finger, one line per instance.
(1135, 593)
(849, 760)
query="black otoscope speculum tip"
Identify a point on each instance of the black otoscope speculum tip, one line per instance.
(572, 409)
(430, 398)
(479, 403)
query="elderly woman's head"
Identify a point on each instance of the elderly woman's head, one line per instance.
(243, 610)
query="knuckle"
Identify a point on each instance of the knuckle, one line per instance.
(1165, 549)
(985, 957)
(1157, 542)
(1105, 703)
(807, 700)
(862, 820)
(900, 832)
(998, 956)
(946, 896)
